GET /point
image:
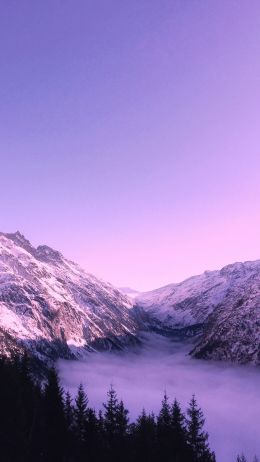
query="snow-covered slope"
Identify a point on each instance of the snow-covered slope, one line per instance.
(223, 306)
(132, 293)
(51, 306)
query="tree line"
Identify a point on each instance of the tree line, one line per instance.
(39, 422)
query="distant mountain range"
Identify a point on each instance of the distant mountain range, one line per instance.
(52, 308)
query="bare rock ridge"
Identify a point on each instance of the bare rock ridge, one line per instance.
(54, 309)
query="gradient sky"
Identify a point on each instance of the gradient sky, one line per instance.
(130, 133)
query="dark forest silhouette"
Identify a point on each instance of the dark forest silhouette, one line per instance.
(42, 423)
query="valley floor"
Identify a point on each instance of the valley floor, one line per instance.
(228, 394)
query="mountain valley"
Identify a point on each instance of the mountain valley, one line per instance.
(52, 308)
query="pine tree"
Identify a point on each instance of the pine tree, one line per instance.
(110, 415)
(164, 430)
(197, 437)
(100, 422)
(68, 411)
(145, 438)
(115, 427)
(164, 417)
(37, 430)
(80, 414)
(122, 420)
(178, 420)
(69, 421)
(101, 443)
(55, 426)
(91, 422)
(180, 447)
(241, 458)
(92, 439)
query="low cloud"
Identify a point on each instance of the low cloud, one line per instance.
(229, 395)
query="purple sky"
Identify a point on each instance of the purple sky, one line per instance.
(130, 133)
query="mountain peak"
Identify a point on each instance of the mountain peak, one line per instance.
(16, 235)
(53, 308)
(42, 252)
(19, 239)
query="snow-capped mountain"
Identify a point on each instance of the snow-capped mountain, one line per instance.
(223, 307)
(51, 306)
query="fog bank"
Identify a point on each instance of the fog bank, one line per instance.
(229, 395)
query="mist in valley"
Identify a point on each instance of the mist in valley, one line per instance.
(229, 395)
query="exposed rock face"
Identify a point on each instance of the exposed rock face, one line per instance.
(222, 306)
(52, 307)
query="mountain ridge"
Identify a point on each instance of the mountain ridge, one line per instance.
(222, 305)
(55, 309)
(45, 299)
